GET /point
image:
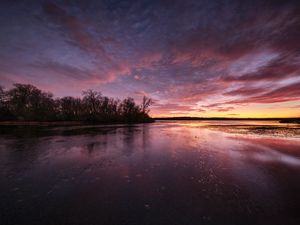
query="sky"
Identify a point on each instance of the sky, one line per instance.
(207, 58)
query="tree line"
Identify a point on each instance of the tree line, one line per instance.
(25, 102)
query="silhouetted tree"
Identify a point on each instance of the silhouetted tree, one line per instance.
(130, 111)
(109, 110)
(2, 97)
(47, 107)
(5, 113)
(26, 102)
(145, 108)
(92, 103)
(146, 103)
(70, 108)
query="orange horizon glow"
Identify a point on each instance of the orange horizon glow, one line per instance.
(291, 110)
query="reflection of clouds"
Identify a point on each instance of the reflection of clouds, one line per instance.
(195, 135)
(272, 156)
(269, 150)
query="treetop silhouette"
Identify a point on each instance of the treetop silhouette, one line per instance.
(25, 102)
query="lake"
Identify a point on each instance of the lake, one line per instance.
(167, 172)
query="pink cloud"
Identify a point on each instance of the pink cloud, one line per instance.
(245, 91)
(283, 94)
(141, 93)
(277, 69)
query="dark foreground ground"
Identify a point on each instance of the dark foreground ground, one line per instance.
(171, 173)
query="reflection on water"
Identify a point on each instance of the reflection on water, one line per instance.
(169, 172)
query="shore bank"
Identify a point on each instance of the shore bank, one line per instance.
(64, 123)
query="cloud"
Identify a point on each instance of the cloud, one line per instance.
(141, 93)
(283, 94)
(171, 108)
(225, 109)
(85, 36)
(70, 71)
(219, 107)
(278, 69)
(233, 114)
(246, 91)
(77, 30)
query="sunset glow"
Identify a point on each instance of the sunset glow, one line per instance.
(193, 58)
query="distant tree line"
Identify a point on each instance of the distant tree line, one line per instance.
(25, 102)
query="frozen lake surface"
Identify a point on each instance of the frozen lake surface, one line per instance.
(167, 172)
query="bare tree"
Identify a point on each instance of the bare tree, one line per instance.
(26, 102)
(146, 103)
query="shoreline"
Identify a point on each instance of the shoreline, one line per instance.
(280, 120)
(64, 123)
(222, 118)
(80, 123)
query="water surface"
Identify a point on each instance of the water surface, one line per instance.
(168, 172)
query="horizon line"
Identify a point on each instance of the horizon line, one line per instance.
(233, 118)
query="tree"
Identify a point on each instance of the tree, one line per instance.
(2, 97)
(26, 102)
(70, 108)
(130, 110)
(146, 103)
(23, 101)
(47, 108)
(5, 114)
(92, 103)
